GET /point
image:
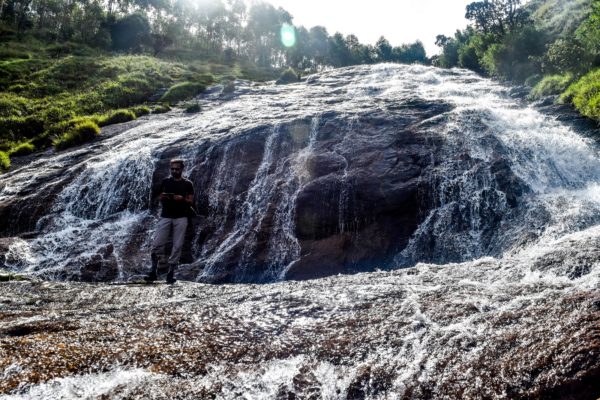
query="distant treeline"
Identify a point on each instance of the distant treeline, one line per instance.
(550, 45)
(221, 30)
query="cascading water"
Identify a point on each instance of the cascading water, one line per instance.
(396, 165)
(495, 205)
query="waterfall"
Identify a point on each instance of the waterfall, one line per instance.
(283, 244)
(357, 168)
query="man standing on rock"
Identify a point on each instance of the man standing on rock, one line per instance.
(177, 197)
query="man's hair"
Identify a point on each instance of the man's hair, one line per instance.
(178, 161)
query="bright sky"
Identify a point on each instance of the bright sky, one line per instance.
(400, 21)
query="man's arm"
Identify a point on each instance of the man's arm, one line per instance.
(161, 192)
(188, 199)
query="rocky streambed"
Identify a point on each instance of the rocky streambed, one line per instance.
(522, 327)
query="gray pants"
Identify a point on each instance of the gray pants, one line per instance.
(163, 232)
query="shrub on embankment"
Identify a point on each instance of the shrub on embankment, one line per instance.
(550, 85)
(288, 76)
(584, 94)
(22, 149)
(78, 134)
(4, 161)
(116, 117)
(182, 91)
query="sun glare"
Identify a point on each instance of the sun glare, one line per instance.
(288, 35)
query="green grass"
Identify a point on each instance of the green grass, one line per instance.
(22, 149)
(288, 76)
(550, 85)
(559, 17)
(13, 105)
(182, 91)
(585, 95)
(46, 89)
(4, 161)
(80, 133)
(192, 108)
(161, 109)
(11, 277)
(140, 110)
(116, 117)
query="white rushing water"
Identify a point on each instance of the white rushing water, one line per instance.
(109, 199)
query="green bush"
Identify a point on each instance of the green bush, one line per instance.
(204, 79)
(192, 108)
(4, 161)
(160, 109)
(22, 127)
(12, 105)
(116, 117)
(585, 95)
(517, 56)
(79, 134)
(550, 85)
(287, 76)
(8, 53)
(140, 110)
(229, 87)
(533, 80)
(182, 91)
(11, 277)
(42, 141)
(53, 115)
(567, 55)
(22, 149)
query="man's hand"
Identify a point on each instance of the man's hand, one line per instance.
(168, 196)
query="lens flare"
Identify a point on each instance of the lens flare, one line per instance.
(288, 35)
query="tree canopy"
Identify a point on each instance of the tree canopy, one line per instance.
(220, 29)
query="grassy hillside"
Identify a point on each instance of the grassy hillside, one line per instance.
(49, 93)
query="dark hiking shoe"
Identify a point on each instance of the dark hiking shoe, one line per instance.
(151, 277)
(170, 278)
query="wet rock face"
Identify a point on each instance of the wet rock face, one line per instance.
(361, 208)
(21, 213)
(301, 199)
(357, 201)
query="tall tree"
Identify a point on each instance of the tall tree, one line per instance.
(496, 16)
(384, 49)
(318, 45)
(339, 55)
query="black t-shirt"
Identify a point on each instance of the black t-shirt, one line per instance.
(172, 208)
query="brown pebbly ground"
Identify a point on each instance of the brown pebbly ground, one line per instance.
(526, 327)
